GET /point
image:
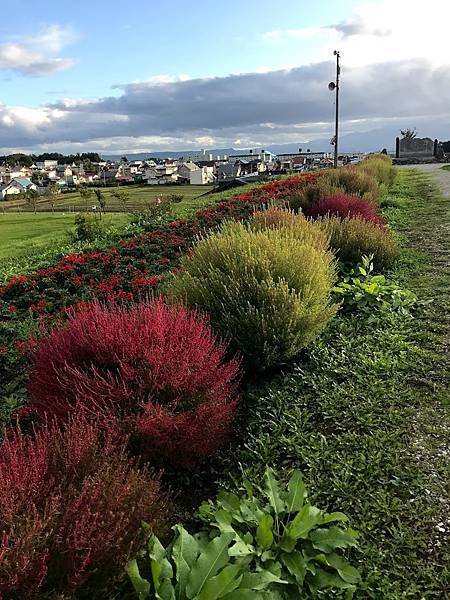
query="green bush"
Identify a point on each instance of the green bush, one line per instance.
(372, 295)
(266, 290)
(271, 544)
(88, 227)
(306, 197)
(353, 238)
(353, 180)
(307, 231)
(379, 166)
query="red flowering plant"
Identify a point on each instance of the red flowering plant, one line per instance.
(345, 206)
(71, 507)
(158, 367)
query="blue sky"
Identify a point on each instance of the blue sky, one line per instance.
(116, 76)
(121, 42)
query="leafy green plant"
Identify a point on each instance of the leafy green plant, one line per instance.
(268, 290)
(365, 292)
(272, 545)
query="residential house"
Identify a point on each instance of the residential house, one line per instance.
(184, 170)
(202, 176)
(161, 174)
(17, 186)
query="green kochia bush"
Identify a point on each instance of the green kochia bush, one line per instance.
(268, 290)
(353, 238)
(268, 544)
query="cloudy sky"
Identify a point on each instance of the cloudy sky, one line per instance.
(116, 77)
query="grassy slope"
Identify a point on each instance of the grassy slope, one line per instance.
(362, 416)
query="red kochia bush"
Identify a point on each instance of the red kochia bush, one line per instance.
(71, 508)
(159, 365)
(345, 206)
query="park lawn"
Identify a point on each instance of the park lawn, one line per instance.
(20, 231)
(138, 196)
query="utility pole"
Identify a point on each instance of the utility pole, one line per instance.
(333, 86)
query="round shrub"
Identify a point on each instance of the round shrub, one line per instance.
(353, 180)
(345, 205)
(280, 218)
(379, 166)
(303, 198)
(152, 364)
(353, 238)
(266, 290)
(71, 509)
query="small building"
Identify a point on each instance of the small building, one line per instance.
(185, 169)
(202, 176)
(19, 185)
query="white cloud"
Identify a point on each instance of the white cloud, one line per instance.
(30, 55)
(380, 30)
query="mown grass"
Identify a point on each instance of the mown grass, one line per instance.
(446, 167)
(361, 414)
(138, 195)
(19, 231)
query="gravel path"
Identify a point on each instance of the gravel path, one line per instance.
(440, 175)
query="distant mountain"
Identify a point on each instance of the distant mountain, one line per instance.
(367, 141)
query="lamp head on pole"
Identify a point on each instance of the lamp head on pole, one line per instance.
(331, 86)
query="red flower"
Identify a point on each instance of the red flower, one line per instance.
(145, 281)
(12, 308)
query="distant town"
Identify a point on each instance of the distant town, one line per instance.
(22, 174)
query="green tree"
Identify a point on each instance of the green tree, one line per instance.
(409, 133)
(122, 197)
(101, 199)
(31, 197)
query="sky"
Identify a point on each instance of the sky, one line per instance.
(117, 77)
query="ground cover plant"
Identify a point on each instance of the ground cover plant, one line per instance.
(268, 542)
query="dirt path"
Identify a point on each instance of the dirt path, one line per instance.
(440, 176)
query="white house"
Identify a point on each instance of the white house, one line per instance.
(202, 176)
(17, 186)
(185, 169)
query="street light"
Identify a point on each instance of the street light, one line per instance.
(334, 86)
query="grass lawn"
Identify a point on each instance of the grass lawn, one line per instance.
(19, 231)
(446, 167)
(138, 195)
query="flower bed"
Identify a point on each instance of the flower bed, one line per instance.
(127, 272)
